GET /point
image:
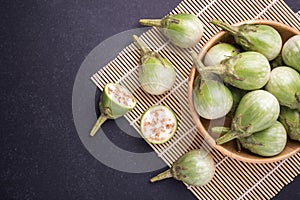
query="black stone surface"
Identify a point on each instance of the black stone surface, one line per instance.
(42, 45)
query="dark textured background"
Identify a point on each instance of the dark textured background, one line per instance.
(43, 43)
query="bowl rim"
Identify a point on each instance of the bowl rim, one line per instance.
(207, 137)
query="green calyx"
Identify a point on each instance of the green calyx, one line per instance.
(236, 131)
(297, 97)
(233, 30)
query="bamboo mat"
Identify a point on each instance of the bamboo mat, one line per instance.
(233, 179)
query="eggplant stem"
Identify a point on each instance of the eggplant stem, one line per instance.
(198, 64)
(103, 117)
(227, 137)
(163, 175)
(217, 69)
(238, 145)
(220, 129)
(150, 22)
(227, 27)
(140, 45)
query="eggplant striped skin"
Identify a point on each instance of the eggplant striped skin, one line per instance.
(257, 111)
(156, 74)
(212, 99)
(183, 30)
(251, 71)
(255, 37)
(291, 52)
(220, 52)
(268, 142)
(284, 84)
(291, 121)
(194, 168)
(260, 38)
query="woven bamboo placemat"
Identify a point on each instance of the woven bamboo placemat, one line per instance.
(233, 179)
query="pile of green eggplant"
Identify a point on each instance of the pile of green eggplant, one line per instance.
(254, 81)
(257, 85)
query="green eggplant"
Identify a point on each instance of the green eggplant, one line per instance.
(284, 84)
(212, 99)
(184, 30)
(195, 168)
(115, 102)
(268, 142)
(291, 121)
(291, 52)
(256, 111)
(218, 53)
(247, 71)
(255, 37)
(156, 74)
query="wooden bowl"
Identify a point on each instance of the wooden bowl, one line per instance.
(204, 125)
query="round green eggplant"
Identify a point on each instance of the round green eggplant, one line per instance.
(115, 102)
(218, 53)
(195, 168)
(183, 30)
(212, 99)
(268, 142)
(156, 74)
(291, 121)
(256, 111)
(284, 84)
(247, 71)
(255, 37)
(291, 52)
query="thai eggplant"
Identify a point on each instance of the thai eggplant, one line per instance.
(255, 37)
(212, 99)
(247, 70)
(115, 102)
(291, 121)
(156, 74)
(256, 111)
(183, 30)
(284, 84)
(291, 52)
(195, 168)
(218, 53)
(268, 142)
